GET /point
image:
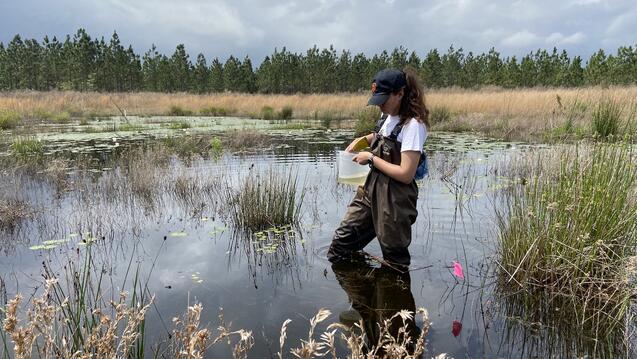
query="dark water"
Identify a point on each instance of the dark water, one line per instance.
(188, 252)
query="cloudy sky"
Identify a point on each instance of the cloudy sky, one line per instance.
(255, 27)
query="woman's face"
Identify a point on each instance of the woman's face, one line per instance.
(392, 105)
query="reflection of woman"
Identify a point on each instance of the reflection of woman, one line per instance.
(385, 206)
(377, 294)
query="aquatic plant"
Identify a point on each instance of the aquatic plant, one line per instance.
(265, 200)
(25, 147)
(214, 111)
(9, 119)
(567, 238)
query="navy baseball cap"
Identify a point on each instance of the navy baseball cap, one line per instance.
(385, 82)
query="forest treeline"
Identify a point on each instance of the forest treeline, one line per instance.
(82, 63)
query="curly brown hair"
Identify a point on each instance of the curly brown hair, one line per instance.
(412, 104)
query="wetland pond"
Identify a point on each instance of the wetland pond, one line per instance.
(160, 219)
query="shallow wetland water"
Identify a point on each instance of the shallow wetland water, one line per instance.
(171, 226)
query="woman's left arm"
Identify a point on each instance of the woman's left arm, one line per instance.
(404, 172)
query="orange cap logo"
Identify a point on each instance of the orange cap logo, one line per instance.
(373, 87)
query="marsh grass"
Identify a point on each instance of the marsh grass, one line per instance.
(26, 147)
(9, 119)
(567, 238)
(176, 110)
(265, 199)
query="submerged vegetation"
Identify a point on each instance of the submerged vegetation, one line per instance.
(568, 240)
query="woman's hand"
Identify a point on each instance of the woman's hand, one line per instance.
(362, 158)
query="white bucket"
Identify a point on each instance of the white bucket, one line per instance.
(349, 170)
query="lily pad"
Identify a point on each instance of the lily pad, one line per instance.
(178, 234)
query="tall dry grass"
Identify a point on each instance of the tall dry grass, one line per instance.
(501, 102)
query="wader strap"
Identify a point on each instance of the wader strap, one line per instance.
(380, 122)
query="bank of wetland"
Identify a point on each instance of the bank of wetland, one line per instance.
(535, 115)
(203, 233)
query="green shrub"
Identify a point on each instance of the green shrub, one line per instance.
(439, 114)
(366, 121)
(42, 114)
(606, 118)
(9, 119)
(214, 111)
(286, 113)
(62, 117)
(267, 113)
(179, 111)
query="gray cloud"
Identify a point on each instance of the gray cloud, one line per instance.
(256, 27)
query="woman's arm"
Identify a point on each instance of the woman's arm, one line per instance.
(404, 172)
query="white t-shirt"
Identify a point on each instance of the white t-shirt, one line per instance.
(412, 136)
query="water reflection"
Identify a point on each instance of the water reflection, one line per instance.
(376, 294)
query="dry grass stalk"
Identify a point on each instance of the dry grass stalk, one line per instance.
(12, 213)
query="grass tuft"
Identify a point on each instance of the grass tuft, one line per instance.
(9, 119)
(568, 237)
(266, 200)
(606, 119)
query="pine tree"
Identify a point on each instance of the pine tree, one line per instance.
(180, 69)
(216, 76)
(200, 75)
(248, 79)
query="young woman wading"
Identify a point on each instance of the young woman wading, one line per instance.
(385, 206)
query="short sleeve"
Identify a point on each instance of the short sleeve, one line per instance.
(413, 135)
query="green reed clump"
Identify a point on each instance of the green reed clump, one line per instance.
(606, 118)
(61, 117)
(266, 200)
(9, 119)
(26, 147)
(568, 238)
(366, 121)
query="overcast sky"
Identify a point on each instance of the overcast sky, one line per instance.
(255, 27)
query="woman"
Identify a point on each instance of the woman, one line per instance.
(385, 206)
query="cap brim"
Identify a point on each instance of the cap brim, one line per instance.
(378, 99)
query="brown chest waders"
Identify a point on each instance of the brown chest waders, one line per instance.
(382, 208)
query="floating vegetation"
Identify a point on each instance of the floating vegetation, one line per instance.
(568, 236)
(265, 200)
(178, 234)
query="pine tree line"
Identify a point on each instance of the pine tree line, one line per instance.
(85, 64)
